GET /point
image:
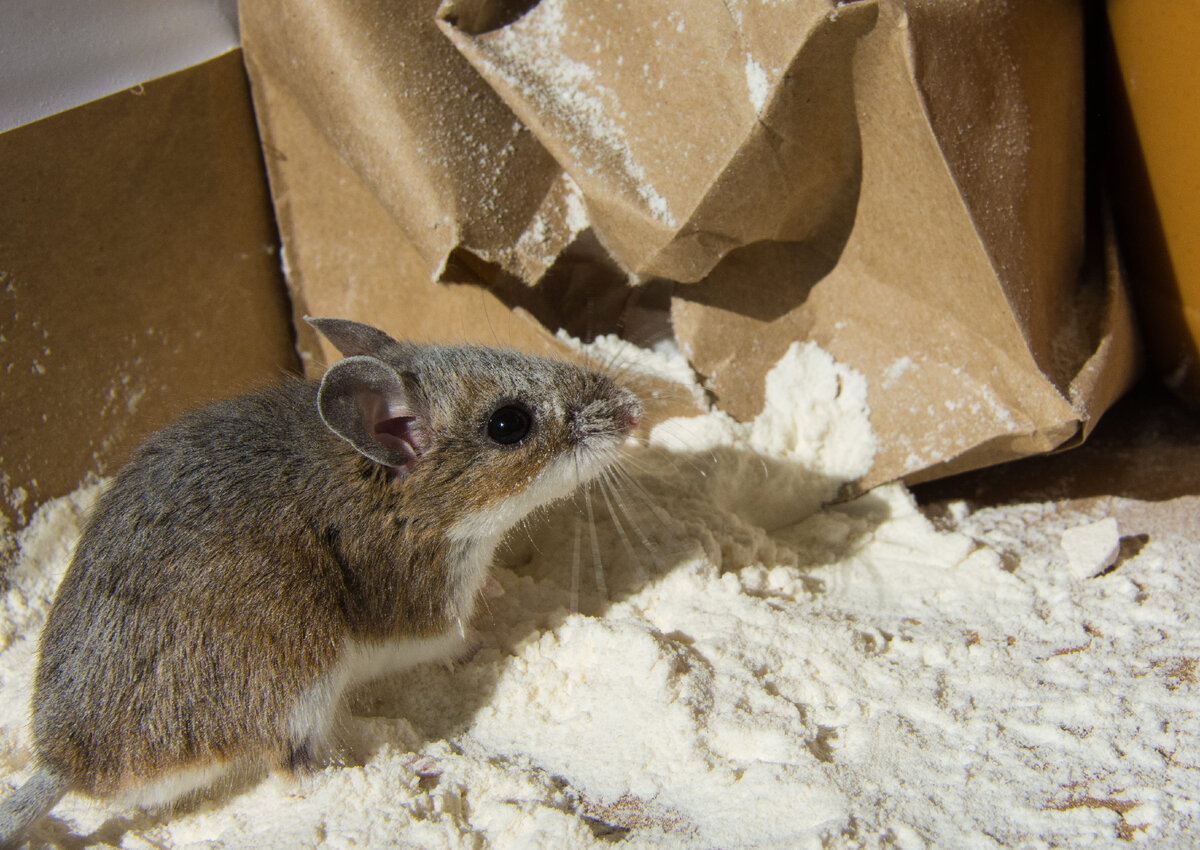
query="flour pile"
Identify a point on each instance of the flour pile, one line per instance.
(748, 669)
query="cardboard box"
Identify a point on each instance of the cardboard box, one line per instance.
(900, 180)
(139, 270)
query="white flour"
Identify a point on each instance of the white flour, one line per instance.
(761, 671)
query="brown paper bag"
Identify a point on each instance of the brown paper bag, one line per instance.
(902, 182)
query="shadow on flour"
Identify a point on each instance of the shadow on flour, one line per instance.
(719, 512)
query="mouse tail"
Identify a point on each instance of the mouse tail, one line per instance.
(22, 807)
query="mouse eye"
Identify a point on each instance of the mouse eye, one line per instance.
(509, 424)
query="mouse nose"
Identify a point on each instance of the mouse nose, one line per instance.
(632, 412)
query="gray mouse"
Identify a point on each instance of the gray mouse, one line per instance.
(258, 557)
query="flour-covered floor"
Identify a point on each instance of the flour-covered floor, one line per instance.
(994, 663)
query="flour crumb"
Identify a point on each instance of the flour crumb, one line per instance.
(1091, 549)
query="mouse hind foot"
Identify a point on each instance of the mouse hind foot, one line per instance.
(299, 759)
(311, 755)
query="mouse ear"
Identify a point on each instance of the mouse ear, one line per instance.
(366, 403)
(353, 338)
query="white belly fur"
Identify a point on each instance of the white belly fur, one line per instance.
(312, 715)
(166, 789)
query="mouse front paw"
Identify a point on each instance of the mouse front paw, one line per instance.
(471, 644)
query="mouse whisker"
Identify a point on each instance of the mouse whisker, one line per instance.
(614, 478)
(481, 598)
(575, 567)
(632, 485)
(597, 560)
(611, 367)
(628, 480)
(527, 528)
(605, 486)
(691, 458)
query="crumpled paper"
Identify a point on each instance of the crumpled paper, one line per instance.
(901, 181)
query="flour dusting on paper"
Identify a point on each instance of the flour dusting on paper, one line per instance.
(529, 55)
(764, 670)
(758, 84)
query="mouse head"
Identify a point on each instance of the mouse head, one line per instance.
(484, 435)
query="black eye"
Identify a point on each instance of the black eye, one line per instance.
(509, 424)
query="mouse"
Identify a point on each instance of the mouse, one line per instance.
(261, 555)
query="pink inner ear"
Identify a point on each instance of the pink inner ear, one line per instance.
(397, 433)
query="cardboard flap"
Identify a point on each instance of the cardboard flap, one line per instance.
(1002, 89)
(984, 334)
(692, 128)
(444, 156)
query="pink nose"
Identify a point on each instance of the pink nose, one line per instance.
(633, 418)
